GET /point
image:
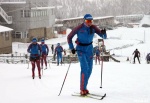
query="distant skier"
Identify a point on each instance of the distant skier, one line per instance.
(52, 48)
(148, 58)
(58, 52)
(45, 51)
(136, 55)
(85, 33)
(35, 52)
(97, 53)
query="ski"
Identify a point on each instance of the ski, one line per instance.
(93, 96)
(98, 95)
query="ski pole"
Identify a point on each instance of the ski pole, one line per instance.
(28, 65)
(41, 60)
(49, 64)
(42, 71)
(101, 72)
(64, 79)
(102, 65)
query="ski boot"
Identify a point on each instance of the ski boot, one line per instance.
(87, 91)
(45, 68)
(57, 64)
(39, 77)
(33, 76)
(84, 92)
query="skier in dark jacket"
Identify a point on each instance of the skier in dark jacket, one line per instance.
(35, 52)
(58, 52)
(85, 33)
(148, 58)
(45, 51)
(52, 48)
(136, 55)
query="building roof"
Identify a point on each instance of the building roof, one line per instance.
(3, 28)
(95, 18)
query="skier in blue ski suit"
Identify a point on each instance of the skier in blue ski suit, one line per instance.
(58, 51)
(85, 33)
(35, 52)
(45, 51)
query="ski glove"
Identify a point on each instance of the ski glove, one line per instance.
(73, 51)
(103, 31)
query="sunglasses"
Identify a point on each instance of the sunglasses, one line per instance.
(88, 21)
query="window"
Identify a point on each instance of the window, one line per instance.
(25, 35)
(22, 13)
(25, 13)
(16, 35)
(38, 13)
(6, 35)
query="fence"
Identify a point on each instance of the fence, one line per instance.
(11, 59)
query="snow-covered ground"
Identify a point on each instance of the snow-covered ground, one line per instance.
(122, 82)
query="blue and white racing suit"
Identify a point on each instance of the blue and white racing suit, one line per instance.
(84, 49)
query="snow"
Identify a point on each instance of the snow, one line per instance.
(3, 29)
(123, 82)
(145, 20)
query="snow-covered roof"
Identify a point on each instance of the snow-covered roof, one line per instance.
(73, 18)
(47, 7)
(130, 15)
(12, 2)
(145, 20)
(95, 18)
(40, 8)
(105, 17)
(58, 25)
(3, 28)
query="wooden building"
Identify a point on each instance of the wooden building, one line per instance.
(5, 40)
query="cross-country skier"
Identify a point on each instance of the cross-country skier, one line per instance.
(85, 33)
(148, 58)
(136, 55)
(58, 52)
(97, 53)
(45, 51)
(35, 52)
(52, 48)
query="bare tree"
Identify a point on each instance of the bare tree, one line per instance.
(76, 8)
